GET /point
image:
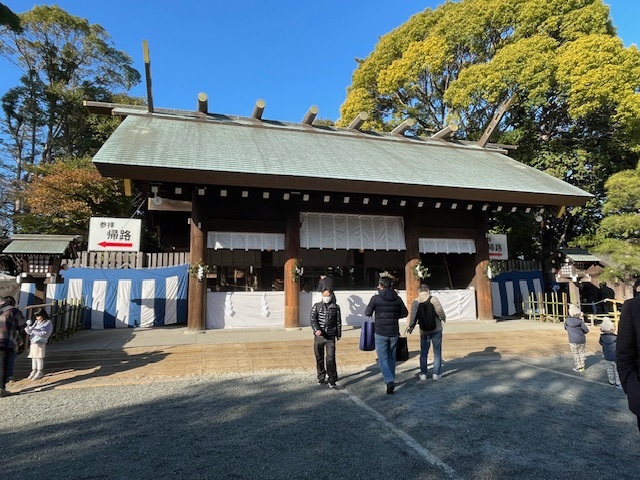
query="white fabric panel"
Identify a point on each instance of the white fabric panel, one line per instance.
(446, 245)
(457, 304)
(537, 286)
(524, 292)
(50, 293)
(266, 309)
(147, 301)
(511, 308)
(244, 310)
(26, 291)
(171, 301)
(495, 299)
(98, 303)
(245, 241)
(123, 303)
(74, 288)
(347, 232)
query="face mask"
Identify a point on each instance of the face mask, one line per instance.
(326, 299)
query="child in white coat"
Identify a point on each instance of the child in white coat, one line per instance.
(39, 332)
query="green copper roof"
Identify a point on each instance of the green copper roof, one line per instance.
(38, 244)
(246, 152)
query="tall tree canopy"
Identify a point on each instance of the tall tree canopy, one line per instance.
(576, 113)
(64, 60)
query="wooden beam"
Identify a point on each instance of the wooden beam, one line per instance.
(445, 132)
(291, 287)
(147, 73)
(258, 109)
(497, 116)
(358, 121)
(159, 204)
(310, 116)
(203, 103)
(197, 293)
(404, 126)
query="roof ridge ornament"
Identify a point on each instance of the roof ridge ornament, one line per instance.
(404, 126)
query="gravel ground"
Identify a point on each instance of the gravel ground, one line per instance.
(488, 418)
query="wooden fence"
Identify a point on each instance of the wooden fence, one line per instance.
(127, 259)
(66, 317)
(523, 265)
(554, 307)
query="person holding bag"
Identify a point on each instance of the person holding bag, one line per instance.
(388, 308)
(427, 312)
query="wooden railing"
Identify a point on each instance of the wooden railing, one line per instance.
(66, 317)
(127, 259)
(554, 307)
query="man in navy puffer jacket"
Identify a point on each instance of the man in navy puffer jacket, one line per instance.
(388, 308)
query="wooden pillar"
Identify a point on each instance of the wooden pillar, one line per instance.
(198, 250)
(291, 287)
(412, 254)
(481, 282)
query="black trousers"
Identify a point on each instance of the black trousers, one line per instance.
(5, 355)
(325, 351)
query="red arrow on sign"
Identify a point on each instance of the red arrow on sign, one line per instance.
(115, 244)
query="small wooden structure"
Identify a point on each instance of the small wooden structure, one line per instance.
(579, 269)
(38, 258)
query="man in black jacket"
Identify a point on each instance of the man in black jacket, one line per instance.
(388, 308)
(628, 350)
(326, 323)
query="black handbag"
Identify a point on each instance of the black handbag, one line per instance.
(402, 350)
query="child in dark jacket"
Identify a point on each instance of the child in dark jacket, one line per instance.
(576, 328)
(608, 341)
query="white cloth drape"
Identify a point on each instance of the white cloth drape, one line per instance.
(446, 245)
(245, 241)
(347, 232)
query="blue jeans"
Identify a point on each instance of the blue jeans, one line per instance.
(425, 343)
(386, 350)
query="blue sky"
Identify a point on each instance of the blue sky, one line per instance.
(290, 53)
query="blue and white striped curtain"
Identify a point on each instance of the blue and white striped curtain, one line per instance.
(122, 298)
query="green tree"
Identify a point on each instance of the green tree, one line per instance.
(576, 110)
(65, 60)
(73, 60)
(8, 18)
(619, 233)
(63, 195)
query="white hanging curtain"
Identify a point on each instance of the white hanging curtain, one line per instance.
(446, 245)
(347, 232)
(245, 241)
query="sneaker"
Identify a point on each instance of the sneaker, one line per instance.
(423, 376)
(4, 393)
(390, 388)
(618, 386)
(579, 370)
(333, 385)
(436, 376)
(32, 374)
(37, 376)
(321, 381)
